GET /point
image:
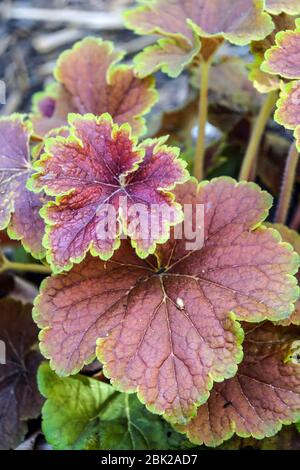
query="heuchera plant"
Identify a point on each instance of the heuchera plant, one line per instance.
(177, 285)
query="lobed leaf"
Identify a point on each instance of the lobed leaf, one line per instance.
(265, 82)
(262, 81)
(90, 80)
(166, 55)
(19, 210)
(83, 413)
(97, 168)
(19, 396)
(167, 326)
(289, 236)
(275, 7)
(286, 439)
(50, 109)
(283, 58)
(264, 395)
(238, 21)
(288, 108)
(293, 238)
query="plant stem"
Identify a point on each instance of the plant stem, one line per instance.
(203, 112)
(32, 268)
(287, 185)
(256, 136)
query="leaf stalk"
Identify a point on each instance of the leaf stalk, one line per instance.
(202, 120)
(287, 185)
(26, 267)
(263, 117)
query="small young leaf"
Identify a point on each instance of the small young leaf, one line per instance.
(97, 166)
(283, 58)
(263, 395)
(265, 82)
(275, 7)
(83, 413)
(19, 210)
(165, 325)
(288, 108)
(89, 81)
(167, 55)
(19, 396)
(262, 81)
(238, 21)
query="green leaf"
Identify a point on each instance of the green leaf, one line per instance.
(84, 413)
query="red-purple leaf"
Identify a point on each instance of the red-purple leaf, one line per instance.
(89, 81)
(100, 168)
(167, 55)
(291, 7)
(183, 22)
(51, 108)
(19, 397)
(167, 325)
(262, 81)
(283, 58)
(19, 210)
(265, 82)
(288, 108)
(290, 236)
(263, 395)
(237, 20)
